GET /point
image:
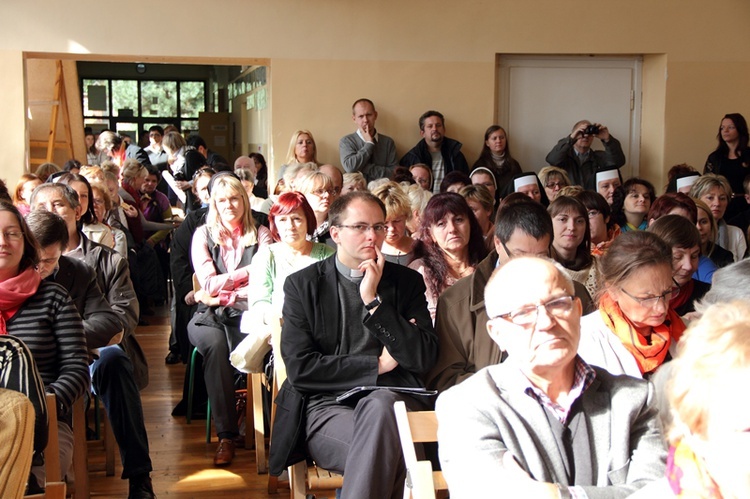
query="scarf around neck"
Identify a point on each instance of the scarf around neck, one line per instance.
(651, 355)
(687, 474)
(14, 292)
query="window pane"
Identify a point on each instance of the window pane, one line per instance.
(159, 98)
(129, 129)
(125, 98)
(189, 126)
(97, 125)
(95, 98)
(192, 98)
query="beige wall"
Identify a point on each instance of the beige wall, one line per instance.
(411, 56)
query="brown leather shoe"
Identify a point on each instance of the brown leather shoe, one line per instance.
(225, 452)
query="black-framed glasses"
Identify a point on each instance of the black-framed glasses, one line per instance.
(651, 301)
(362, 228)
(527, 315)
(552, 185)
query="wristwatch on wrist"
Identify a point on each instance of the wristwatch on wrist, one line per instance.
(373, 304)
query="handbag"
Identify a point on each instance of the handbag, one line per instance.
(249, 354)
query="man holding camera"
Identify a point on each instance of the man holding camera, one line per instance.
(574, 155)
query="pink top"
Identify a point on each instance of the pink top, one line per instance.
(232, 285)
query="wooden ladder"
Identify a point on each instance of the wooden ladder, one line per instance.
(59, 102)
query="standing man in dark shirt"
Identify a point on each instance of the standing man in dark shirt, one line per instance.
(435, 149)
(352, 320)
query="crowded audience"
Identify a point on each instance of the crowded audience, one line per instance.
(548, 289)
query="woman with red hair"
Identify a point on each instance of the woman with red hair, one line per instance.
(291, 220)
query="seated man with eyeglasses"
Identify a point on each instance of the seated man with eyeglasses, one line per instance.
(523, 228)
(352, 320)
(544, 423)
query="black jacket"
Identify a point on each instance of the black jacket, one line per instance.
(453, 158)
(310, 339)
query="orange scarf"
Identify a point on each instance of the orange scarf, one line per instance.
(14, 292)
(648, 356)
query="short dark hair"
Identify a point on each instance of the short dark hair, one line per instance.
(48, 228)
(676, 231)
(594, 201)
(71, 164)
(429, 114)
(338, 207)
(196, 141)
(529, 217)
(454, 177)
(156, 128)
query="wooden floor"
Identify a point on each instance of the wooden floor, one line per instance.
(182, 461)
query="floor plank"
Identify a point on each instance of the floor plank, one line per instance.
(181, 458)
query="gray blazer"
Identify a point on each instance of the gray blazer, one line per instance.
(489, 414)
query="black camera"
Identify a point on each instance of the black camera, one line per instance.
(591, 130)
(179, 176)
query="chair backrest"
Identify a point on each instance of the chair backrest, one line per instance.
(417, 427)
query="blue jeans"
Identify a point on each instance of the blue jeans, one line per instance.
(113, 381)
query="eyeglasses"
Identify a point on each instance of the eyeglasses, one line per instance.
(651, 301)
(552, 185)
(527, 315)
(518, 254)
(362, 228)
(12, 235)
(321, 192)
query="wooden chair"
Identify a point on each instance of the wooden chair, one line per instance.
(80, 487)
(53, 490)
(418, 427)
(303, 479)
(253, 408)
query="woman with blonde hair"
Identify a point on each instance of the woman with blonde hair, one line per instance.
(553, 179)
(222, 251)
(353, 181)
(302, 149)
(715, 191)
(708, 431)
(319, 191)
(398, 246)
(706, 224)
(418, 199)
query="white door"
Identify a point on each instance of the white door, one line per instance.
(541, 97)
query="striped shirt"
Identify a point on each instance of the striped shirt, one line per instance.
(52, 329)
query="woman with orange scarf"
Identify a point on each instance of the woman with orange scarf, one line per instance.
(636, 274)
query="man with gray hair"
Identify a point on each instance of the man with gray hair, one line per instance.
(544, 423)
